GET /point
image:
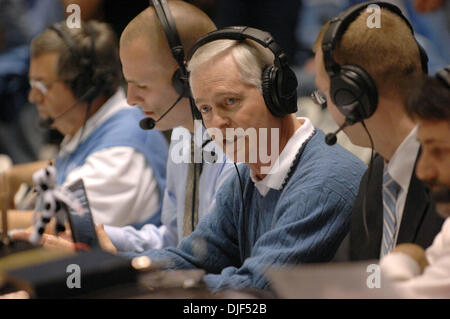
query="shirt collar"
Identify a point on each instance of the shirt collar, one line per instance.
(279, 172)
(114, 104)
(401, 165)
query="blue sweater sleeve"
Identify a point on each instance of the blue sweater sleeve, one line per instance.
(214, 243)
(308, 226)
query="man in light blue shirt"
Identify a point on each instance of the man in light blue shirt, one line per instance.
(150, 87)
(170, 233)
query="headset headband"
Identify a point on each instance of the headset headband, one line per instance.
(68, 40)
(170, 30)
(85, 76)
(240, 34)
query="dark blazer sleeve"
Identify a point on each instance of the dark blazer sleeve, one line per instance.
(366, 227)
(420, 221)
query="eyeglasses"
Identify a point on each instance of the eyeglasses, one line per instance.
(319, 98)
(41, 86)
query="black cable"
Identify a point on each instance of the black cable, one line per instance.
(368, 181)
(243, 213)
(194, 192)
(86, 118)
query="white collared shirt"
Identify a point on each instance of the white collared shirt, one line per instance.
(401, 167)
(114, 104)
(434, 282)
(280, 170)
(115, 170)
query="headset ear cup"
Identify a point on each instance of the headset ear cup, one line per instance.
(354, 93)
(78, 86)
(287, 90)
(280, 90)
(268, 90)
(181, 84)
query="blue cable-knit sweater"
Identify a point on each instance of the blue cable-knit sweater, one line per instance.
(303, 222)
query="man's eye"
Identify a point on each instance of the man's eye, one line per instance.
(437, 152)
(230, 101)
(205, 109)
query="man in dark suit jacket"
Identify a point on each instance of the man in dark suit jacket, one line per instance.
(420, 222)
(364, 74)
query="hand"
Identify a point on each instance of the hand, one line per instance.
(104, 240)
(415, 252)
(62, 242)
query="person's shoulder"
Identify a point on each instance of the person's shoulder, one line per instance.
(318, 153)
(328, 168)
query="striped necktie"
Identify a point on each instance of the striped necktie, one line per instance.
(390, 192)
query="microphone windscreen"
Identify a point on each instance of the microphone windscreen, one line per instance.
(330, 139)
(147, 123)
(45, 123)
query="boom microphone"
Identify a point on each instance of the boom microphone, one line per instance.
(88, 96)
(47, 122)
(331, 138)
(148, 123)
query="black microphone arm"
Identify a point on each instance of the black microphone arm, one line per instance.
(47, 122)
(149, 123)
(331, 138)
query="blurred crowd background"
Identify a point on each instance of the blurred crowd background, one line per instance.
(294, 24)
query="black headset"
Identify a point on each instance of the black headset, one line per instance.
(444, 76)
(180, 77)
(279, 83)
(352, 89)
(86, 86)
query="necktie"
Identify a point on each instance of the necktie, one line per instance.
(192, 190)
(390, 192)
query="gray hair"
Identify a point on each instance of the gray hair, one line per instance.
(250, 57)
(106, 67)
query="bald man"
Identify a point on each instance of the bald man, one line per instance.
(148, 67)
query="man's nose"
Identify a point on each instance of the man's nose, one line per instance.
(35, 96)
(425, 169)
(133, 98)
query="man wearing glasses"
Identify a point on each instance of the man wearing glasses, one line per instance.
(75, 76)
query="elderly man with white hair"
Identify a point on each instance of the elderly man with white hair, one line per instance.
(289, 209)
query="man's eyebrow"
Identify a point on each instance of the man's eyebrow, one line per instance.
(432, 140)
(218, 95)
(131, 81)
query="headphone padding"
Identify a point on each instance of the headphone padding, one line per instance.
(268, 91)
(354, 93)
(180, 83)
(287, 90)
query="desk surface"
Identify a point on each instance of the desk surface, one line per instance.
(361, 280)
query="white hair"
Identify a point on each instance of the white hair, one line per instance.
(250, 57)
